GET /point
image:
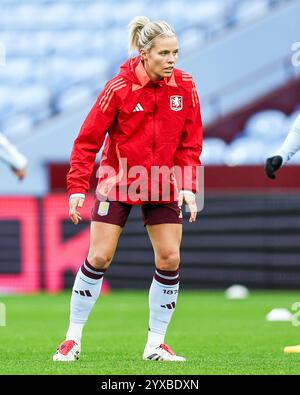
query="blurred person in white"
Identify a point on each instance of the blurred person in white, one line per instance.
(289, 148)
(13, 157)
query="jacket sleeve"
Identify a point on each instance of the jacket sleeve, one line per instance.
(291, 144)
(89, 141)
(187, 157)
(11, 155)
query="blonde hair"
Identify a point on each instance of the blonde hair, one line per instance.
(142, 33)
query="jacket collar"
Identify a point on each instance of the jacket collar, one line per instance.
(143, 78)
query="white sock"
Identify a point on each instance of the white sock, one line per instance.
(75, 332)
(162, 302)
(85, 292)
(155, 339)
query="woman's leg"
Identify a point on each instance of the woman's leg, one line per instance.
(165, 239)
(87, 286)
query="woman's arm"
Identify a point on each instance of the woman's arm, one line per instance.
(289, 148)
(10, 154)
(187, 156)
(90, 140)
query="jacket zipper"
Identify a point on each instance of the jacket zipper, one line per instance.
(154, 111)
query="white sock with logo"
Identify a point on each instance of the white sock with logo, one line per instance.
(162, 302)
(85, 292)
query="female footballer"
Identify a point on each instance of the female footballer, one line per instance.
(288, 149)
(150, 116)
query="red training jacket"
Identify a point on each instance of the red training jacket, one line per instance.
(149, 123)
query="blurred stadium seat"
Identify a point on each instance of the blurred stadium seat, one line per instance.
(213, 151)
(247, 11)
(245, 151)
(18, 126)
(73, 97)
(266, 125)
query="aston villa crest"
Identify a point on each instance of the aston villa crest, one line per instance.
(103, 208)
(176, 103)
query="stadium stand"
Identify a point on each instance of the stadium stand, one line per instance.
(254, 131)
(56, 49)
(267, 128)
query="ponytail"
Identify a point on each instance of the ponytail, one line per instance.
(142, 33)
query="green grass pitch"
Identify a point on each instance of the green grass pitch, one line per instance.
(216, 335)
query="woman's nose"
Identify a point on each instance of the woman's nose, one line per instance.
(171, 59)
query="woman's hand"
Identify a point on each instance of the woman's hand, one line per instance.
(21, 173)
(76, 201)
(189, 198)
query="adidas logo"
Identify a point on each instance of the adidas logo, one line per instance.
(168, 306)
(154, 357)
(138, 108)
(83, 293)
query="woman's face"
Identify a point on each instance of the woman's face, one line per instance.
(160, 60)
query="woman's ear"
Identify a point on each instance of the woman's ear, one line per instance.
(143, 54)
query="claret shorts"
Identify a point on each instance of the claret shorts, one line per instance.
(153, 214)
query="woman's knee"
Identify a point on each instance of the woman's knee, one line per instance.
(99, 260)
(168, 261)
